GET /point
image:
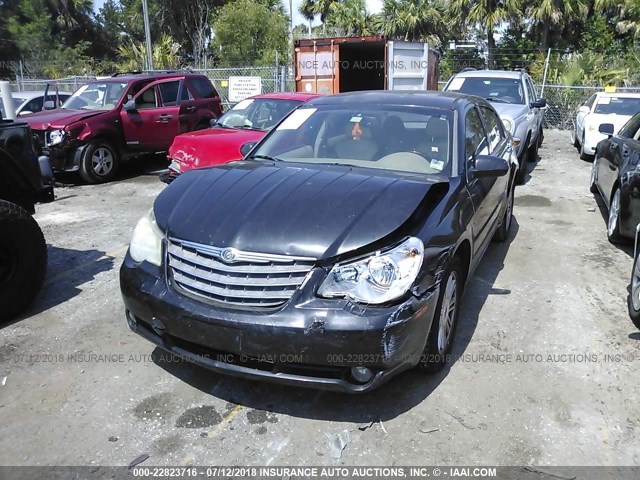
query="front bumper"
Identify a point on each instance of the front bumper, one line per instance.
(309, 341)
(63, 157)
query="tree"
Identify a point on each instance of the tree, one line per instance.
(351, 18)
(318, 7)
(422, 20)
(247, 32)
(554, 14)
(488, 14)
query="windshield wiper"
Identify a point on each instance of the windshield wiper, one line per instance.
(265, 157)
(247, 127)
(496, 99)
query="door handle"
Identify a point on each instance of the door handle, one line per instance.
(190, 109)
(164, 118)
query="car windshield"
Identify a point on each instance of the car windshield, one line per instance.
(618, 105)
(503, 90)
(402, 138)
(96, 96)
(257, 113)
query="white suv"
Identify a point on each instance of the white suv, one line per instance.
(514, 96)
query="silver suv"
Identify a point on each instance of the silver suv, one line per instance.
(514, 96)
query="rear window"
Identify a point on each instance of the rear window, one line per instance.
(203, 87)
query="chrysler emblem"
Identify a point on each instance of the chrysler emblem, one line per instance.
(228, 255)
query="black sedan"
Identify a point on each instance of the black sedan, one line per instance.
(615, 175)
(336, 253)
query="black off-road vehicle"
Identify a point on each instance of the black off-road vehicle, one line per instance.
(24, 181)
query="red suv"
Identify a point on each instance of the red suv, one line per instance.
(107, 120)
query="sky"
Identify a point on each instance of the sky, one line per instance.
(373, 6)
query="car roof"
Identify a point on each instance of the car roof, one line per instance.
(130, 77)
(300, 96)
(619, 94)
(491, 74)
(422, 98)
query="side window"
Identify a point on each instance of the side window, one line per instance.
(185, 94)
(135, 88)
(169, 93)
(203, 87)
(147, 99)
(531, 91)
(475, 138)
(34, 105)
(495, 131)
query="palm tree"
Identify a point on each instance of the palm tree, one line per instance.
(414, 20)
(488, 14)
(628, 12)
(306, 9)
(554, 13)
(351, 18)
(318, 7)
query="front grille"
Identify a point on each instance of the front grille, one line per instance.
(249, 279)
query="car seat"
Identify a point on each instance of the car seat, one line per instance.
(148, 99)
(437, 131)
(356, 142)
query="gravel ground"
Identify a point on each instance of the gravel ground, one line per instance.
(547, 367)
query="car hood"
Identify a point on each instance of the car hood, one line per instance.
(295, 210)
(618, 121)
(213, 146)
(58, 118)
(509, 110)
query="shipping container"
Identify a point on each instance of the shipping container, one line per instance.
(347, 64)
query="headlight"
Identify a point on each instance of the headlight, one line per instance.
(508, 125)
(175, 167)
(56, 137)
(146, 243)
(379, 278)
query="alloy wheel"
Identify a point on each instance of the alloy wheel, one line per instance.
(447, 312)
(102, 161)
(614, 212)
(635, 284)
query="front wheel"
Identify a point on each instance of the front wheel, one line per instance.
(503, 231)
(445, 320)
(593, 188)
(23, 259)
(521, 174)
(613, 224)
(100, 162)
(633, 300)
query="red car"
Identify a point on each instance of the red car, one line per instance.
(106, 120)
(248, 121)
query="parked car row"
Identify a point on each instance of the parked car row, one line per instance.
(608, 128)
(26, 103)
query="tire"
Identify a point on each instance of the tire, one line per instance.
(23, 259)
(613, 222)
(439, 342)
(583, 155)
(576, 144)
(540, 137)
(521, 174)
(502, 233)
(633, 300)
(593, 188)
(100, 162)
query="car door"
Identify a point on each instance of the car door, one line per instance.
(154, 120)
(499, 146)
(480, 189)
(537, 112)
(582, 113)
(613, 153)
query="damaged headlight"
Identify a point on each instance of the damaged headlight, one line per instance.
(175, 167)
(146, 243)
(56, 137)
(380, 278)
(508, 124)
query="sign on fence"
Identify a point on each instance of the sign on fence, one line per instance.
(243, 87)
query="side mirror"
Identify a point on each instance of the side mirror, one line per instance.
(246, 148)
(539, 103)
(130, 106)
(49, 105)
(212, 122)
(606, 129)
(25, 112)
(584, 109)
(490, 166)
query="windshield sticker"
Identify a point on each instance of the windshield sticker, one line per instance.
(434, 149)
(456, 84)
(604, 101)
(356, 119)
(437, 164)
(243, 104)
(297, 118)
